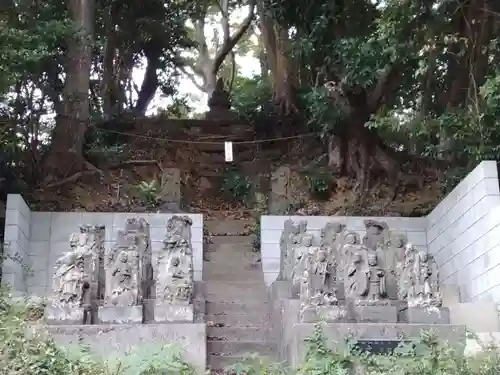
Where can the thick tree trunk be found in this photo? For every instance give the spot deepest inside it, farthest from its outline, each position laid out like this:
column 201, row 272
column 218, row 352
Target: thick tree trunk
column 66, row 152
column 283, row 77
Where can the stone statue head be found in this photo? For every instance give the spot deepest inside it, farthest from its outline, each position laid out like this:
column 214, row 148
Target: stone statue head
column 398, row 242
column 351, row 239
column 357, row 258
column 74, row 240
column 321, row 255
column 295, row 229
column 307, row 241
column 424, row 256
column 372, row 259
column 123, row 257
column 176, row 261
column 303, row 226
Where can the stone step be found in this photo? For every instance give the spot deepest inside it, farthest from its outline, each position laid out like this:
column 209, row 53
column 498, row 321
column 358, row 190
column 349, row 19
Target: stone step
column 216, row 241
column 232, row 258
column 235, row 288
column 217, row 362
column 247, row 319
column 250, row 333
column 228, row 308
column 228, row 249
column 212, row 272
column 239, row 348
column 229, row 227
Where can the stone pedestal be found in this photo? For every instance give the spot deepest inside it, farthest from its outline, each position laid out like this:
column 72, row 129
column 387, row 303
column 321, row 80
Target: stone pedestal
column 169, row 313
column 431, row 315
column 330, row 314
column 120, row 314
column 64, row 314
column 374, row 314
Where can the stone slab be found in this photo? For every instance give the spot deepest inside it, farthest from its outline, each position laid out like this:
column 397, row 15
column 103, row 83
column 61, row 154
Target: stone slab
column 120, row 340
column 428, row 315
column 374, row 314
column 61, row 314
column 167, row 313
column 293, row 345
column 120, row 314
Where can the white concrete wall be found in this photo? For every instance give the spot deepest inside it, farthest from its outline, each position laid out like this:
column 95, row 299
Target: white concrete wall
column 271, row 227
column 41, row 237
column 463, row 233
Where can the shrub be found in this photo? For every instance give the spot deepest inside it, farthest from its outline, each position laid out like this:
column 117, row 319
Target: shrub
column 25, row 350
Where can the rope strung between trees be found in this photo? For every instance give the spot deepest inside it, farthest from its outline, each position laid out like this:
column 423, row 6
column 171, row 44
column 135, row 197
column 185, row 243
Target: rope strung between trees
column 256, row 141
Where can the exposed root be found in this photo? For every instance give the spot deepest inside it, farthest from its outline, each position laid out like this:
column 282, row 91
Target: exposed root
column 137, row 162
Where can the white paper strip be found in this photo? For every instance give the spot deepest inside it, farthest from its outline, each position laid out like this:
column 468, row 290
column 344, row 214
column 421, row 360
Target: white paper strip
column 228, row 151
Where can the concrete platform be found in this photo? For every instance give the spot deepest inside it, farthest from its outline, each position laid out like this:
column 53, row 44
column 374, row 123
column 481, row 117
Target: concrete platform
column 115, row 340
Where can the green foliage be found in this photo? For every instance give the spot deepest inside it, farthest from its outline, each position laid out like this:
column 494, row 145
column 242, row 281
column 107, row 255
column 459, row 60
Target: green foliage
column 251, row 98
column 235, row 185
column 320, row 182
column 28, row 351
column 426, row 356
column 149, row 191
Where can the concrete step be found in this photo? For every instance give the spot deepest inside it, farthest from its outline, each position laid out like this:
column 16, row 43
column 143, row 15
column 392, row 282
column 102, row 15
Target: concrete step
column 248, row 319
column 232, row 240
column 229, row 227
column 239, row 348
column 235, row 290
column 217, row 362
column 251, row 333
column 229, row 274
column 230, row 251
column 228, row 308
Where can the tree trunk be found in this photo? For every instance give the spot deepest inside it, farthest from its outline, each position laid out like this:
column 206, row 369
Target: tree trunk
column 276, row 42
column 66, row 152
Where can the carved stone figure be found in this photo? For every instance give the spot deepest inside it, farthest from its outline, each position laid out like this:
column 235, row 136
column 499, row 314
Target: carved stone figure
column 377, row 288
column 376, row 234
column 426, row 279
column 123, row 268
column 285, row 245
column 357, row 274
column 69, row 278
column 294, row 241
column 302, row 254
column 219, row 104
column 77, row 269
column 351, row 245
column 174, row 269
column 322, row 273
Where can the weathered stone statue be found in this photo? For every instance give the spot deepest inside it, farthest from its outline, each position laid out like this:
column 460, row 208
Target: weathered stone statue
column 123, row 280
column 174, row 273
column 285, row 244
column 219, row 104
column 376, row 234
column 294, row 241
column 319, row 289
column 357, row 274
column 128, row 274
column 76, row 284
column 420, row 286
column 377, row 289
column 425, row 279
column 351, row 245
column 301, row 260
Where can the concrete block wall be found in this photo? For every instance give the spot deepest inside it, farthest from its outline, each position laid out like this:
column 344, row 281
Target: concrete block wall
column 47, row 237
column 16, row 244
column 463, row 234
column 271, row 227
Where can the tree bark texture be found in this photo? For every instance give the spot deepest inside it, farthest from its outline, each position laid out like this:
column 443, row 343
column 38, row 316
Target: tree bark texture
column 66, row 152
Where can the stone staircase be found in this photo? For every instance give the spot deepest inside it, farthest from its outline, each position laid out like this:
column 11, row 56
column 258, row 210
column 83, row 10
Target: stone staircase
column 237, row 310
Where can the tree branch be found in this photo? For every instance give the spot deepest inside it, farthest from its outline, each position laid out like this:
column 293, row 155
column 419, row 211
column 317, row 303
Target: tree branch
column 385, row 82
column 229, row 44
column 192, row 78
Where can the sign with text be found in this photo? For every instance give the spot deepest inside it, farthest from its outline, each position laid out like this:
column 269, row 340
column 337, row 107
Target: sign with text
column 228, row 151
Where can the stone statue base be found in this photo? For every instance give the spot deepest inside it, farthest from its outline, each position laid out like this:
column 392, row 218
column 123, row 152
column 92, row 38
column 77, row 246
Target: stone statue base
column 428, row 315
column 324, row 313
column 372, row 313
column 110, row 314
column 169, row 313
column 58, row 313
